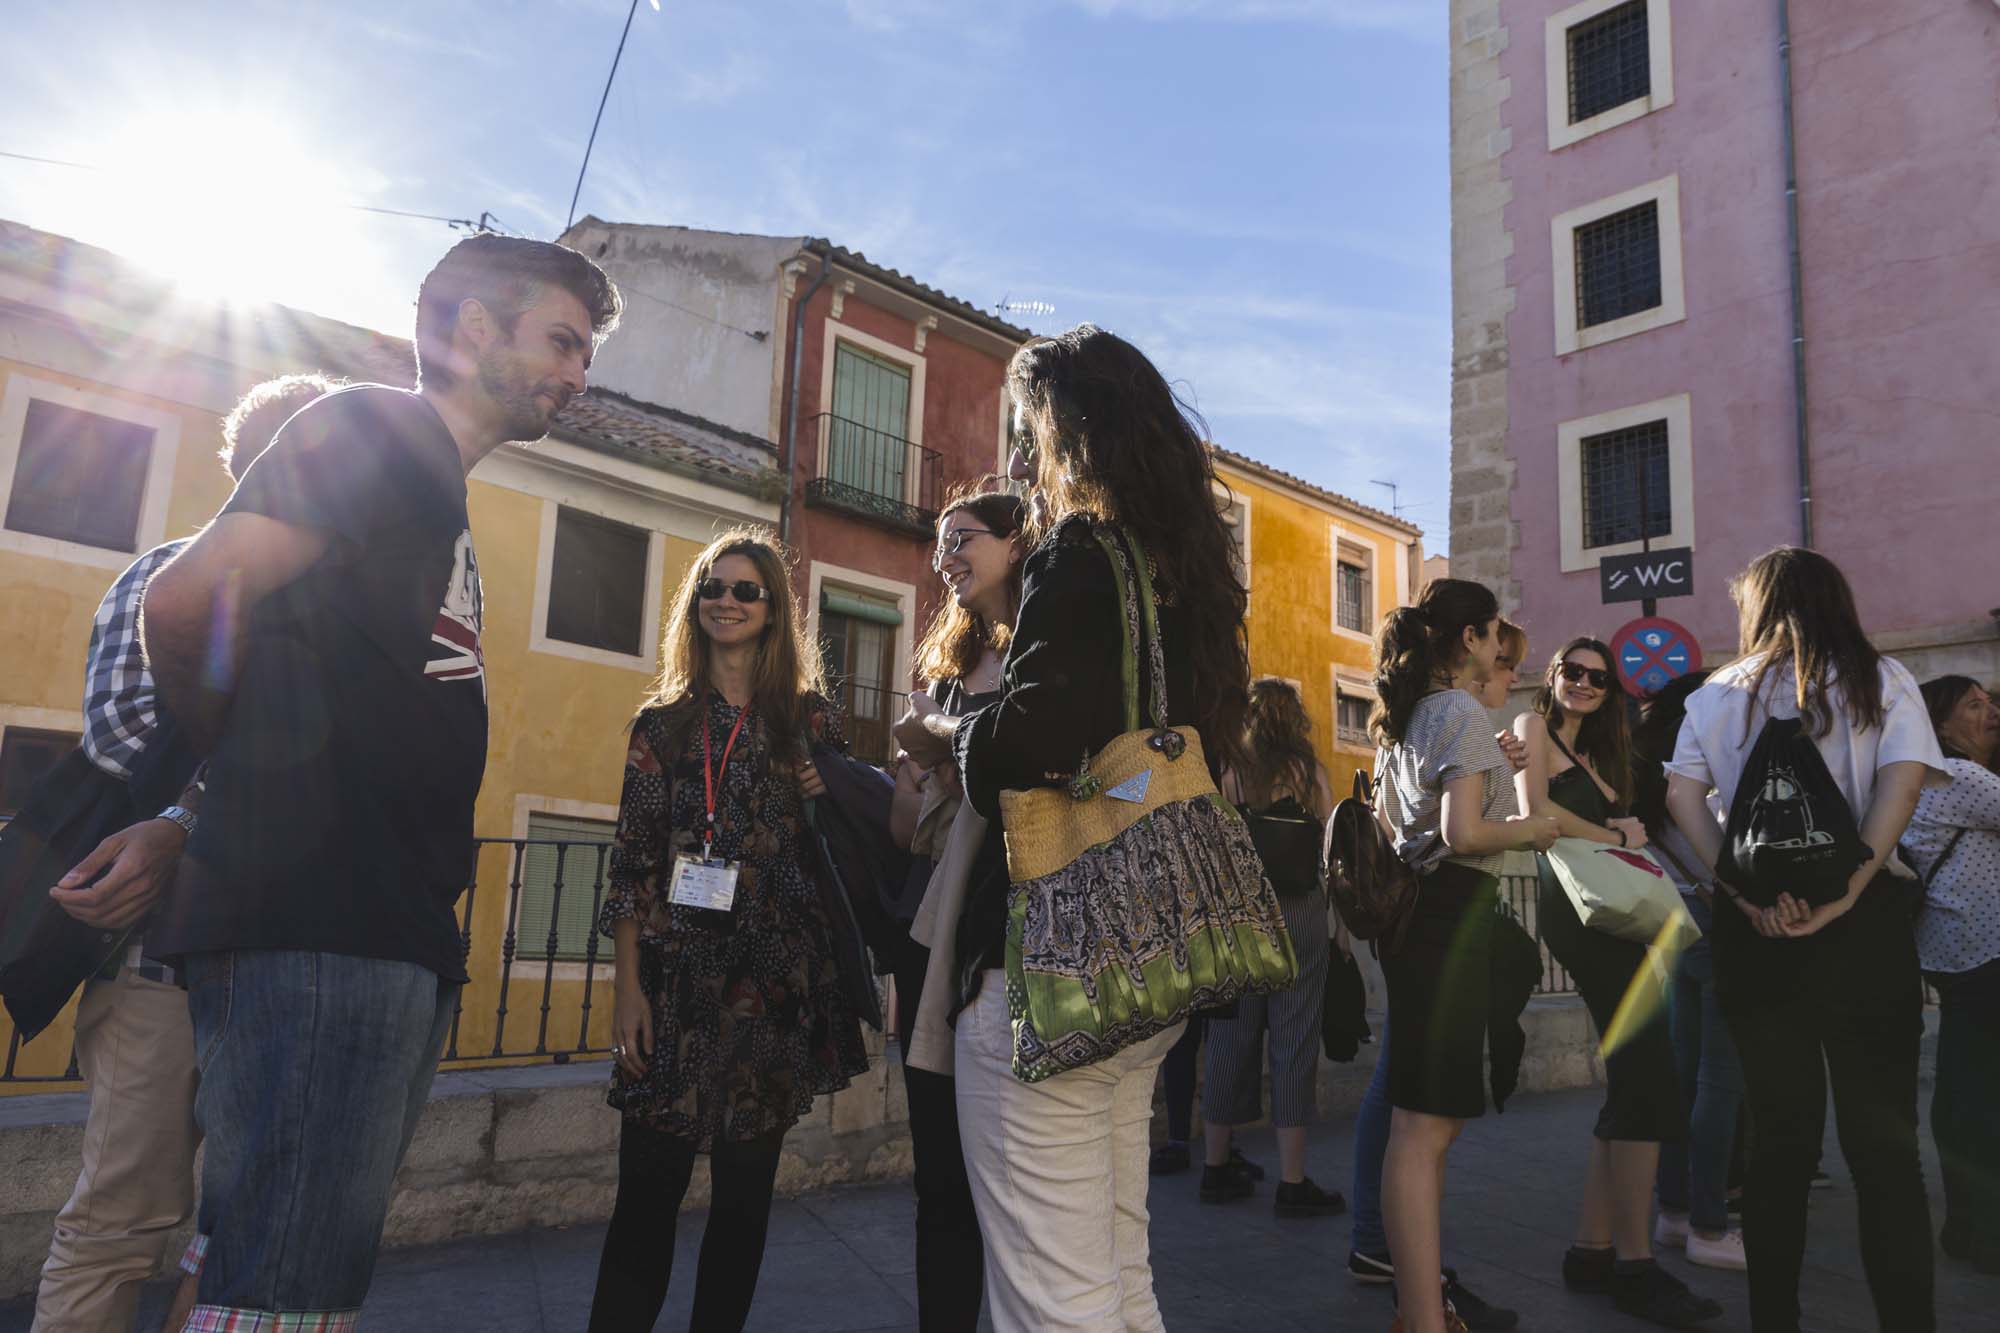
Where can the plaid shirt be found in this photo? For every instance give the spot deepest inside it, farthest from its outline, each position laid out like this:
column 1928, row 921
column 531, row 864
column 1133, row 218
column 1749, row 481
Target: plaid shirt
column 118, row 707
column 118, row 699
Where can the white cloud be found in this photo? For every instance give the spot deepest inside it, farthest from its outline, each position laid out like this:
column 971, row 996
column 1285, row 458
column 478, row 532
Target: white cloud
column 736, row 75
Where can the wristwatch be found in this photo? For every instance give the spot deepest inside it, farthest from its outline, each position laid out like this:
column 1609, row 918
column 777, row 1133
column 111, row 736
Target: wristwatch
column 181, row 815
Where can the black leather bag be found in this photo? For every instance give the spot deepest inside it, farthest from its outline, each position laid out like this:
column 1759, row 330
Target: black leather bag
column 1372, row 888
column 1287, row 838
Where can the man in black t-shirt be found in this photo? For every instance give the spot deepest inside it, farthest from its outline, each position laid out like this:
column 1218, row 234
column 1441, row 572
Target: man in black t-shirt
column 320, row 644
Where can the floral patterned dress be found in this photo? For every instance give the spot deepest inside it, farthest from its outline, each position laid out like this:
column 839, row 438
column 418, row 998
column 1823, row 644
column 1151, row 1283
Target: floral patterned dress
column 749, row 1019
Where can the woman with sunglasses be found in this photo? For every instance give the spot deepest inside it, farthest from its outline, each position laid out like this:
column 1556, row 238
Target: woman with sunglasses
column 729, row 1016
column 978, row 557
column 1579, row 770
column 1058, row 1167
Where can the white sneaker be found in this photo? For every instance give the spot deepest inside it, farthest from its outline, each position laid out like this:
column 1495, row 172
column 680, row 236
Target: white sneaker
column 1724, row 1253
column 1671, row 1230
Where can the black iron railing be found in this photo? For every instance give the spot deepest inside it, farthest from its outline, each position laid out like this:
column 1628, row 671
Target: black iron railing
column 1518, row 893
column 877, row 476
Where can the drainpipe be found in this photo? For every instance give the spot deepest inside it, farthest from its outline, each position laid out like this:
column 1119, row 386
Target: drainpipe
column 1797, row 275
column 792, row 395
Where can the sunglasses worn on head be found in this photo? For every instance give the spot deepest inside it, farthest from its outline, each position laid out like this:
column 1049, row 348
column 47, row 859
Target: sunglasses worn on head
column 743, row 590
column 1576, row 672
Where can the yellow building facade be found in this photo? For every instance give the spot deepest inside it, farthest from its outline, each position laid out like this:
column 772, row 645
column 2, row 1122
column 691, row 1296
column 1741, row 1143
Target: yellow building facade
column 92, row 343
column 1322, row 571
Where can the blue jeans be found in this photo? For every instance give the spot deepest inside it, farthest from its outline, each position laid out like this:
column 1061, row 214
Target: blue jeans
column 1371, row 1144
column 1694, row 1175
column 314, row 1070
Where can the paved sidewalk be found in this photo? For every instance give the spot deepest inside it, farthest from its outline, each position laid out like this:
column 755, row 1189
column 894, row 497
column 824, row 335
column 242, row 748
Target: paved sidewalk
column 842, row 1261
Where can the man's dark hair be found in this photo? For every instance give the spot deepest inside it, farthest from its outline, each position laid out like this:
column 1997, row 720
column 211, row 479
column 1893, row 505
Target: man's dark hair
column 506, row 274
column 247, row 430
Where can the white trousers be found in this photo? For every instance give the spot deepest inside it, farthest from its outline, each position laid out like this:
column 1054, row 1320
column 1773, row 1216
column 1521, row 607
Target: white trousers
column 1058, row 1171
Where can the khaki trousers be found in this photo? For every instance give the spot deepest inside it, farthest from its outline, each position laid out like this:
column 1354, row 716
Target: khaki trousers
column 1058, row 1174
column 135, row 1049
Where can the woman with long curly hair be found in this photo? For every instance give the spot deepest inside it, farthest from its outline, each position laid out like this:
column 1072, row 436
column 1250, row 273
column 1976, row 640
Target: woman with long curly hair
column 1058, row 1167
column 1580, row 770
column 729, row 1016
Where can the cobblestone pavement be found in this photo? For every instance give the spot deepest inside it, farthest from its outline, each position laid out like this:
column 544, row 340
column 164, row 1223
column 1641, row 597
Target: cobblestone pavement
column 842, row 1260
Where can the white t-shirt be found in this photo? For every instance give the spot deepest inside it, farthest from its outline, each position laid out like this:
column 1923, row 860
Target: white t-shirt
column 1717, row 737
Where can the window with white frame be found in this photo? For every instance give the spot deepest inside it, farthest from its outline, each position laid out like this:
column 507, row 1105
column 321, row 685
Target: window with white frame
column 1624, row 476
column 1609, row 62
column 1354, row 587
column 1352, row 702
column 1236, row 517
column 563, row 869
column 85, row 476
column 1617, row 266
column 597, row 583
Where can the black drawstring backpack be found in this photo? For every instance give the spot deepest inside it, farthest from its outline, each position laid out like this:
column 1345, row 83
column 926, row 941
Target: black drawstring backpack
column 1790, row 829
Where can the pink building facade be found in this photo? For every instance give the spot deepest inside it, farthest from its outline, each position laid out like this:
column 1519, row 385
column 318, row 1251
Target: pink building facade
column 1623, row 307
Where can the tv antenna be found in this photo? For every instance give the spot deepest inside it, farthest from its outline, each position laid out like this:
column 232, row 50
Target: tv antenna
column 1395, row 496
column 1007, row 305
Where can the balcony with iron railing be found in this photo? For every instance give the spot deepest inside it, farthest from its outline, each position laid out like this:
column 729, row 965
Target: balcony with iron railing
column 875, row 476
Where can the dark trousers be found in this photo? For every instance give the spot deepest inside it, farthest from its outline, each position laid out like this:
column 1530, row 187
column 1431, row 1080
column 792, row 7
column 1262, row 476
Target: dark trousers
column 1845, row 1003
column 1178, row 1069
column 1965, row 1108
column 951, row 1259
column 638, row 1259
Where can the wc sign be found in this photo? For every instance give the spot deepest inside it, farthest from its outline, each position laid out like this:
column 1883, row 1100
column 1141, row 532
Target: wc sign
column 1644, row 575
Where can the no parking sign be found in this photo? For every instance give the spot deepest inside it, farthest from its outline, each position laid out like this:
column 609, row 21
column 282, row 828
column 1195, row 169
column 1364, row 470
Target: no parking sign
column 1651, row 651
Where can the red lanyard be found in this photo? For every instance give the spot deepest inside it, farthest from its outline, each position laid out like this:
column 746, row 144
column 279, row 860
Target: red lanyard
column 710, row 776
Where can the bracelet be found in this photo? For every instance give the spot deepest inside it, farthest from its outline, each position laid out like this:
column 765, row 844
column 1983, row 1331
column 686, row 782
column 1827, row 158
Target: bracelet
column 1623, row 841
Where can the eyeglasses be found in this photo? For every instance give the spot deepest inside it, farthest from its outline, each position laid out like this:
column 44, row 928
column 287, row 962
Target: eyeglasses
column 743, row 590
column 1576, row 673
column 954, row 541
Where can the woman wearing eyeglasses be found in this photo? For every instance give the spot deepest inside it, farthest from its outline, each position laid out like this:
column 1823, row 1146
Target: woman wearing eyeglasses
column 978, row 557
column 1579, row 770
column 729, row 1016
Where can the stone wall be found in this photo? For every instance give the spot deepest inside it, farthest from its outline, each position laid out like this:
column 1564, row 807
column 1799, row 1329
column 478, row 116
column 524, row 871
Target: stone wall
column 1483, row 532
column 505, row 1149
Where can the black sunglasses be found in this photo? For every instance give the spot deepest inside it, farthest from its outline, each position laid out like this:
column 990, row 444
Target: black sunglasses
column 1575, row 672
column 743, row 590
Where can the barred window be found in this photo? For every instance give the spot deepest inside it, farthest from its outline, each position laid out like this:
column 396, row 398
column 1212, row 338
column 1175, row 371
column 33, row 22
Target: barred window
column 1624, row 476
column 1610, row 61
column 1354, row 598
column 1351, row 719
column 574, row 851
column 1618, row 265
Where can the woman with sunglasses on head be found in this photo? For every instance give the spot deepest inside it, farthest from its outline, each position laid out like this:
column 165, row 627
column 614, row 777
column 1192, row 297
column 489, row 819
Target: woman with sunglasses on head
column 1826, row 995
column 979, row 552
column 729, row 1014
column 1058, row 1167
column 1579, row 770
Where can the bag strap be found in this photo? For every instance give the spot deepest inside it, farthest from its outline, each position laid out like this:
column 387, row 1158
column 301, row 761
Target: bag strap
column 1931, row 875
column 1129, row 597
column 1156, row 656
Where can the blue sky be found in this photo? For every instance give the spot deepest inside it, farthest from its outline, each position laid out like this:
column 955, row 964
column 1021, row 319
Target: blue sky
column 1254, row 191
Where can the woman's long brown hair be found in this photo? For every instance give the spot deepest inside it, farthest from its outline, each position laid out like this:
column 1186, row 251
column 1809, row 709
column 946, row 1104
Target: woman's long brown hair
column 786, row 673
column 951, row 646
column 1112, row 441
column 1796, row 609
column 1417, row 648
column 1603, row 737
column 1277, row 744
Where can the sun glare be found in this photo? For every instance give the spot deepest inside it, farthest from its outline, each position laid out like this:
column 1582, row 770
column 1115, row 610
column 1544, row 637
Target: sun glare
column 230, row 205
